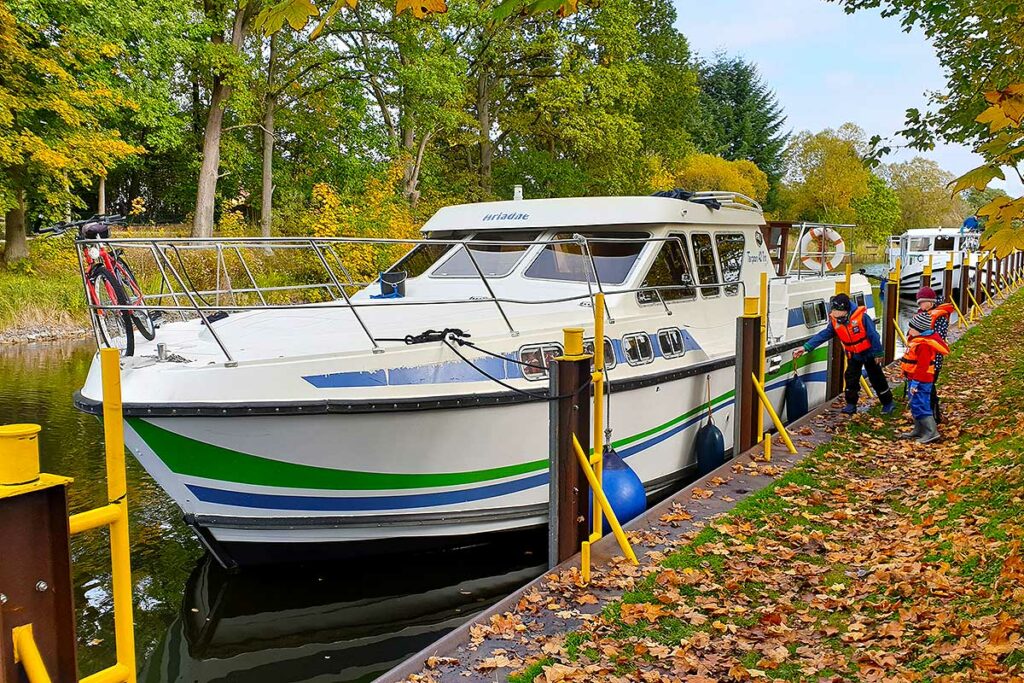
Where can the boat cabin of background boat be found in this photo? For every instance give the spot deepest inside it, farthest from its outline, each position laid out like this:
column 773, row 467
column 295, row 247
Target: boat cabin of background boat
column 919, row 247
column 281, row 427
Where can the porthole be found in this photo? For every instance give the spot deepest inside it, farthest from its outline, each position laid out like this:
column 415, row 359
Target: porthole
column 670, row 342
column 609, row 352
column 537, row 358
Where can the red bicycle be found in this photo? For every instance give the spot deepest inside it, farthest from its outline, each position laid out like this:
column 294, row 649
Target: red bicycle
column 109, row 281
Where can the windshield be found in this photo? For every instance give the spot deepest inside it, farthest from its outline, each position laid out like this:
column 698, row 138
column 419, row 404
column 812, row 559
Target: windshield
column 920, row 243
column 614, row 260
column 494, row 260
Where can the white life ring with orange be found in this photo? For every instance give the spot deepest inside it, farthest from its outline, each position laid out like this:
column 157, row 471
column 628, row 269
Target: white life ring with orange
column 822, row 244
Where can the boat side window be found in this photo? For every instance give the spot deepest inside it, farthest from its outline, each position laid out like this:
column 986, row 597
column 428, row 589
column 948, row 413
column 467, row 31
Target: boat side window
column 920, row 244
column 495, row 260
column 538, row 358
column 814, row 312
column 671, row 269
column 637, row 347
column 614, row 260
column 859, row 298
column 707, row 267
column 609, row 352
column 670, row 341
column 419, row 259
column 944, row 243
column 731, row 248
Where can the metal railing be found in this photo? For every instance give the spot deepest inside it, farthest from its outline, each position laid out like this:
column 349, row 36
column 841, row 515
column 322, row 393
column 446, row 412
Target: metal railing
column 179, row 295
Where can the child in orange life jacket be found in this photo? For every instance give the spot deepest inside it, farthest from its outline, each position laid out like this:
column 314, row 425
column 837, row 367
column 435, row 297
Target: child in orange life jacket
column 855, row 329
column 927, row 302
column 918, row 365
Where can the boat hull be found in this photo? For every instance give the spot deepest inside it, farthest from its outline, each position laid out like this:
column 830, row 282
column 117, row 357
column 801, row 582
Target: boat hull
column 402, row 480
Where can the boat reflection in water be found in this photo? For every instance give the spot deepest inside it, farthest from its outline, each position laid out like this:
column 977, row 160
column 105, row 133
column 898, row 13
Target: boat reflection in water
column 333, row 622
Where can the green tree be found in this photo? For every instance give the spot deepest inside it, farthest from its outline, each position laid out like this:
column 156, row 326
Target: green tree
column 878, row 212
column 827, row 175
column 54, row 97
column 743, row 117
column 923, row 190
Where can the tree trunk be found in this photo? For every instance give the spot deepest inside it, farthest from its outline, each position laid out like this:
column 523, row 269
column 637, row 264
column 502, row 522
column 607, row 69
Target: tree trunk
column 410, row 176
column 483, row 113
column 206, row 192
column 267, row 193
column 101, row 202
column 16, row 245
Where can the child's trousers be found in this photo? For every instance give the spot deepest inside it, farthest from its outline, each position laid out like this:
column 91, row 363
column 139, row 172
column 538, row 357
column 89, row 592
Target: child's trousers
column 920, row 399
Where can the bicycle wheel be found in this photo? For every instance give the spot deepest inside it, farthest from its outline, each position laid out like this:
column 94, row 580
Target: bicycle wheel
column 142, row 318
column 115, row 326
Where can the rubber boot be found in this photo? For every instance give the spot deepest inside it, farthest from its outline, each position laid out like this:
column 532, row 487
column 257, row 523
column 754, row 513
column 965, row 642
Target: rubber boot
column 849, row 409
column 913, row 434
column 929, row 431
column 889, row 408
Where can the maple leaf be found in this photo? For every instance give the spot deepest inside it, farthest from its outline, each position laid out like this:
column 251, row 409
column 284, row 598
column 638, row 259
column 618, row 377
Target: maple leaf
column 421, row 8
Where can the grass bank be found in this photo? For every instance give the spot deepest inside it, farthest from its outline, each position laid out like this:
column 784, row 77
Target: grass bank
column 874, row 559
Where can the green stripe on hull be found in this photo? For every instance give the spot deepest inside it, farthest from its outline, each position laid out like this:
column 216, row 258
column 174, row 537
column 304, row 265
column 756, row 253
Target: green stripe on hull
column 189, row 457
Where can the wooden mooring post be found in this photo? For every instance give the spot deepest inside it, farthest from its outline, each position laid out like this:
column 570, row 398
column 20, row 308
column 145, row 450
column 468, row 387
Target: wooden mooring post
column 892, row 308
column 568, row 492
column 749, row 352
column 990, row 278
column 977, row 278
column 947, row 279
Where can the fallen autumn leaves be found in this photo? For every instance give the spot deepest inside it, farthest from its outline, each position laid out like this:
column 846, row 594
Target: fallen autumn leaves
column 873, row 560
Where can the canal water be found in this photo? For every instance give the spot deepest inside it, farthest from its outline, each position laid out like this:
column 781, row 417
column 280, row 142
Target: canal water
column 339, row 622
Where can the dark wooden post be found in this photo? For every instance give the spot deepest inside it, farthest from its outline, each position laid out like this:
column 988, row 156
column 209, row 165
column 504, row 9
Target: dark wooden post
column 568, row 490
column 892, row 308
column 947, row 280
column 965, row 282
column 35, row 575
column 748, row 360
column 990, row 281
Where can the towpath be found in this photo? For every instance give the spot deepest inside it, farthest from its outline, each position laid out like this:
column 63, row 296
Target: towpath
column 867, row 558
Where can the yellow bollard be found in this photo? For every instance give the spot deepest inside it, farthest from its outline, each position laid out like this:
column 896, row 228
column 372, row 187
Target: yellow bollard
column 602, row 502
column 19, row 454
column 763, row 312
column 767, row 447
column 598, row 377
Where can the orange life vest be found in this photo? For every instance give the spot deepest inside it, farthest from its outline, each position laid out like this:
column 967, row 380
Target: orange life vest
column 942, row 311
column 853, row 334
column 918, row 363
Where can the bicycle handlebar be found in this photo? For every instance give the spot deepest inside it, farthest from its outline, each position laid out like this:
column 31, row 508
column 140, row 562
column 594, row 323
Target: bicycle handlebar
column 61, row 228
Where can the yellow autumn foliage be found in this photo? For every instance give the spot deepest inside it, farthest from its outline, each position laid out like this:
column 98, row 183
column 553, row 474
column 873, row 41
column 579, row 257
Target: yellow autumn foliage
column 704, row 172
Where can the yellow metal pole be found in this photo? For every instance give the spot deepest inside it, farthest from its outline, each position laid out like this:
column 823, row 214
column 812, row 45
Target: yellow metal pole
column 767, row 448
column 603, row 503
column 117, row 494
column 763, row 312
column 27, row 653
column 959, row 314
column 95, row 518
column 112, row 674
column 849, row 277
column 903, row 337
column 899, row 275
column 781, row 428
column 598, row 377
column 977, row 306
column 866, row 387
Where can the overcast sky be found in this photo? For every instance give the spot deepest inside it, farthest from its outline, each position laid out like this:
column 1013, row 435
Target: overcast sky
column 826, row 66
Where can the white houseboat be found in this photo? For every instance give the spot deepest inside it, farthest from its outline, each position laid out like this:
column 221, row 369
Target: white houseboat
column 278, row 428
column 918, row 247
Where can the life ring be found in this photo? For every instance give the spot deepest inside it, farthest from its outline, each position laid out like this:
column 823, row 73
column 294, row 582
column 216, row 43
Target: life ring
column 813, row 246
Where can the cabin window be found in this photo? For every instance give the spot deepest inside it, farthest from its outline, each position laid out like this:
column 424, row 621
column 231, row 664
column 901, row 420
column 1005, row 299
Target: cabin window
column 614, row 254
column 609, row 352
column 494, row 260
column 920, row 244
column 859, row 298
column 731, row 248
column 637, row 348
column 707, row 266
column 419, row 259
column 945, row 243
column 671, row 270
column 670, row 341
column 538, row 358
column 814, row 312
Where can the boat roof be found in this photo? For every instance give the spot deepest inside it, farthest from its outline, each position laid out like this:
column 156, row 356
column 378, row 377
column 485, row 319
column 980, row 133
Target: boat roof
column 607, row 212
column 930, row 232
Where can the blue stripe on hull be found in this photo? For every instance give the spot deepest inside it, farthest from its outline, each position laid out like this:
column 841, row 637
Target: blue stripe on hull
column 267, row 501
